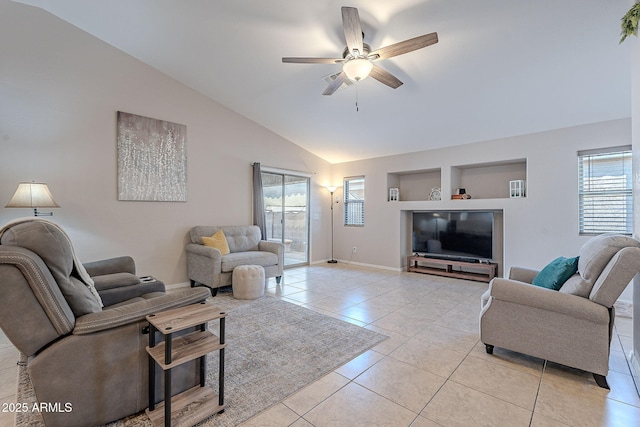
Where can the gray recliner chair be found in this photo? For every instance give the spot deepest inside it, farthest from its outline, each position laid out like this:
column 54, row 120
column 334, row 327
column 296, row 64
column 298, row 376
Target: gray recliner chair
column 79, row 352
column 572, row 326
column 116, row 281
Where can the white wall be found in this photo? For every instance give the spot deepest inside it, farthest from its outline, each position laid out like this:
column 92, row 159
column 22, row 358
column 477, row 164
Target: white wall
column 537, row 228
column 635, row 118
column 60, row 89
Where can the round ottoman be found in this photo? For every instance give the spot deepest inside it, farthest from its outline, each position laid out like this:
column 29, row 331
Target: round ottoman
column 247, row 282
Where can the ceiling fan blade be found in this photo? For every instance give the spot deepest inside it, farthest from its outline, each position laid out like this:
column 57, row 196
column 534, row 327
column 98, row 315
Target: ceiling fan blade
column 334, row 85
column 405, row 46
column 383, row 76
column 313, row 60
column 352, row 29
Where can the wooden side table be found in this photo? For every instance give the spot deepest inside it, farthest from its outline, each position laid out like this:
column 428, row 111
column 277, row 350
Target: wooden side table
column 202, row 401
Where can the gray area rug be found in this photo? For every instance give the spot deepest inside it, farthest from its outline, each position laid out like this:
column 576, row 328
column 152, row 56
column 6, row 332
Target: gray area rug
column 274, row 349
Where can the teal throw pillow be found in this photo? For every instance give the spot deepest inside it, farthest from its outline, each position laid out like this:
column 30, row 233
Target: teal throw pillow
column 556, row 273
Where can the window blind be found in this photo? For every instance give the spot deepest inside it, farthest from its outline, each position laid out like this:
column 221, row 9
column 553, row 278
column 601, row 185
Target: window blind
column 354, row 201
column 605, row 191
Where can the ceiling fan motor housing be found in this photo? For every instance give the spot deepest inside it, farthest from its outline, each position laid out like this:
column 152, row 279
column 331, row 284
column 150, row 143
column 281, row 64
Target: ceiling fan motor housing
column 346, row 54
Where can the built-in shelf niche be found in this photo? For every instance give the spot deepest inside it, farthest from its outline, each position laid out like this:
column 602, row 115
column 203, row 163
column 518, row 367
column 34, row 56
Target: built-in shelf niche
column 487, row 180
column 415, row 185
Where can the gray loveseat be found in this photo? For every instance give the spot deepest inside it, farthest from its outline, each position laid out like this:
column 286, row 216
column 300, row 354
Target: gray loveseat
column 78, row 353
column 572, row 326
column 208, row 267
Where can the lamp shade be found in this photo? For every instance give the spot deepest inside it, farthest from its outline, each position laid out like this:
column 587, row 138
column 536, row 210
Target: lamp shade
column 332, row 189
column 32, row 195
column 357, row 69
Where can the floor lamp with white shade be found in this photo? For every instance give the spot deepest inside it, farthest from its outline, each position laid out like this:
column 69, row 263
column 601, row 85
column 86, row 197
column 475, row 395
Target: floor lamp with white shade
column 332, row 190
column 33, row 195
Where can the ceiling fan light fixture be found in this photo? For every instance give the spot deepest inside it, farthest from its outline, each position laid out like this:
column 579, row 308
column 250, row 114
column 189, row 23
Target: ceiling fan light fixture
column 357, row 69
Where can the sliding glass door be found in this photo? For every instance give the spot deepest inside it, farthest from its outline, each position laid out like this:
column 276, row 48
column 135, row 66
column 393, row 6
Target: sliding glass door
column 286, row 198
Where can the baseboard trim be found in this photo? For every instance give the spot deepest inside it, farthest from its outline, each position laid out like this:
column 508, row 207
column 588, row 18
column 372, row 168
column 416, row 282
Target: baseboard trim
column 361, row 264
column 624, row 308
column 175, row 286
column 380, row 267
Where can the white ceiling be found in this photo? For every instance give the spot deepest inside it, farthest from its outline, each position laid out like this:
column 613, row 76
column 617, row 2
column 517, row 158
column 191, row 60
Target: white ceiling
column 501, row 67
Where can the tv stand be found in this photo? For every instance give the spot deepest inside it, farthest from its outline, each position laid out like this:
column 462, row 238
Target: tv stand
column 453, row 258
column 444, row 267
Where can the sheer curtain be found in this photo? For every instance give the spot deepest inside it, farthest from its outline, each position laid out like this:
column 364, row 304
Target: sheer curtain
column 258, row 201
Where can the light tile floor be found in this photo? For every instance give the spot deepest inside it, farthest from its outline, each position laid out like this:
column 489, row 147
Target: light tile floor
column 432, row 371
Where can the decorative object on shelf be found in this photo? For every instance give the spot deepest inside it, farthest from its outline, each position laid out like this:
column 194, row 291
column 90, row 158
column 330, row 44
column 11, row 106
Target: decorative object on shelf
column 517, row 188
column 460, row 194
column 152, row 159
column 463, row 196
column 629, row 22
column 332, row 190
column 33, row 195
column 394, row 194
column 435, row 194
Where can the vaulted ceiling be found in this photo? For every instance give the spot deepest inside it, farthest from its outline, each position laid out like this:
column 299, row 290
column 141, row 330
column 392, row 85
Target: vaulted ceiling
column 501, row 67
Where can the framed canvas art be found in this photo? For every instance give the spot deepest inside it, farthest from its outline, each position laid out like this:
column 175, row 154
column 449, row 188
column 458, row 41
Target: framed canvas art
column 152, row 159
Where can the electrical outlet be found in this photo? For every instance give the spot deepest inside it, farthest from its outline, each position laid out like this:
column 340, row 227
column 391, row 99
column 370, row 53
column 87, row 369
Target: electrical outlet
column 355, row 249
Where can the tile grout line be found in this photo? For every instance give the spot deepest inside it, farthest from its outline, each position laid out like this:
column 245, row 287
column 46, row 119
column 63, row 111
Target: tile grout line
column 535, row 403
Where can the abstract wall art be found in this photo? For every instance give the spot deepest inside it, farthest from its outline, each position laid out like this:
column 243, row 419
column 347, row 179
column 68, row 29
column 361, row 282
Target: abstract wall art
column 152, row 159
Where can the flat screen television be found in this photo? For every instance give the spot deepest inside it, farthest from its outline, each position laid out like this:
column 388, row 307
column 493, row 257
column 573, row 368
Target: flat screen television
column 464, row 235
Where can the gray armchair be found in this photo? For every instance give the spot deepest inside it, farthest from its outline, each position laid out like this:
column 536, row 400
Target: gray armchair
column 207, row 266
column 572, row 326
column 78, row 352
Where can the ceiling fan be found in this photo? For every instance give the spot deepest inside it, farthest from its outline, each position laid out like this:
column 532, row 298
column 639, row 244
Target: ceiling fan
column 358, row 58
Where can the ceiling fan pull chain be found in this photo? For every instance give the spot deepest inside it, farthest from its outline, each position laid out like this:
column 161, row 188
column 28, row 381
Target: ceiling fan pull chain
column 356, row 85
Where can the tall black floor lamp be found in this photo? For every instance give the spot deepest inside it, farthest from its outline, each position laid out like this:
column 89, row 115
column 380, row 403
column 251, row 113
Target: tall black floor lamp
column 332, row 190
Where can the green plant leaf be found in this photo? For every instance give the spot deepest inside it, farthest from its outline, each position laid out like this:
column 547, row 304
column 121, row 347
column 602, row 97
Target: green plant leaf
column 629, row 22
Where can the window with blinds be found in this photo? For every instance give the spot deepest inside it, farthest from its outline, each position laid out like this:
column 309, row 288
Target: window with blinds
column 354, row 201
column 605, row 191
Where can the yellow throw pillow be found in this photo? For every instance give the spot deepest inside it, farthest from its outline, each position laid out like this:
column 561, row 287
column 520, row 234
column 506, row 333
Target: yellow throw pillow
column 218, row 241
